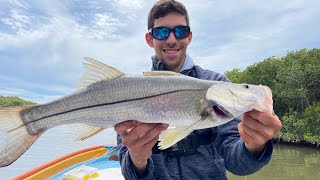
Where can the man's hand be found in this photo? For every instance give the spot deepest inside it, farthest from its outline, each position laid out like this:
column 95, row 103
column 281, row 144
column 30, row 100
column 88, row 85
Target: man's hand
column 257, row 128
column 139, row 138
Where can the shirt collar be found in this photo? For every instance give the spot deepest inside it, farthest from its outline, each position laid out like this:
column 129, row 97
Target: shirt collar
column 158, row 65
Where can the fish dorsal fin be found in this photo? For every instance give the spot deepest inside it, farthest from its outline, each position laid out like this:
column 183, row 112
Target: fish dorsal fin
column 85, row 131
column 97, row 71
column 160, row 73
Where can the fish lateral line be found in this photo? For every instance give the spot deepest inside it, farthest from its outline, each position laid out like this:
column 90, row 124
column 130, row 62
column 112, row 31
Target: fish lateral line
column 112, row 103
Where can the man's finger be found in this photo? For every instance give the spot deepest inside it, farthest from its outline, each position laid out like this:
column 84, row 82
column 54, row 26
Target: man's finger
column 153, row 133
column 266, row 131
column 151, row 143
column 266, row 118
column 122, row 128
column 133, row 138
column 244, row 136
column 251, row 122
column 256, row 136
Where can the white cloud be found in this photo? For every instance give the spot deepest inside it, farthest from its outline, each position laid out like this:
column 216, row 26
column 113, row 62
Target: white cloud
column 48, row 45
column 128, row 4
column 105, row 26
column 231, row 35
column 17, row 20
column 52, row 51
column 20, row 4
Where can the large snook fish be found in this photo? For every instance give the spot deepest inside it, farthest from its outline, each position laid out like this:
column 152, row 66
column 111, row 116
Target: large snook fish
column 106, row 97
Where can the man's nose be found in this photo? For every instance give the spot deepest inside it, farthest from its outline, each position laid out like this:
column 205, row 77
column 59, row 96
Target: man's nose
column 171, row 39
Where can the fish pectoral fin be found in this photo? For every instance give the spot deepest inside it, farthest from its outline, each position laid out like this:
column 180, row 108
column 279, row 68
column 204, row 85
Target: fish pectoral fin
column 170, row 137
column 85, row 131
column 161, row 73
column 97, row 71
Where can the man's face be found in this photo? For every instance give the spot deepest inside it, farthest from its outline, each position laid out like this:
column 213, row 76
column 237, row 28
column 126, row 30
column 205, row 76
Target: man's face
column 171, row 51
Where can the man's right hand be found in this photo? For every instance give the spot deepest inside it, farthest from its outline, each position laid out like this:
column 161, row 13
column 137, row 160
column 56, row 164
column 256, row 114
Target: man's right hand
column 139, row 138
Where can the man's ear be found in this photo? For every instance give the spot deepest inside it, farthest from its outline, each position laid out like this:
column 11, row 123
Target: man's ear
column 149, row 39
column 190, row 37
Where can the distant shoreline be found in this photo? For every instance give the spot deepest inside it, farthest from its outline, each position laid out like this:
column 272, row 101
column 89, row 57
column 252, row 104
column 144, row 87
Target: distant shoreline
column 297, row 143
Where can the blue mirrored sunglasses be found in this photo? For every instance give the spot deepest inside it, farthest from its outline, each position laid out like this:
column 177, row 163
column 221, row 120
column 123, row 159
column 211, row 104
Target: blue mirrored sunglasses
column 162, row 33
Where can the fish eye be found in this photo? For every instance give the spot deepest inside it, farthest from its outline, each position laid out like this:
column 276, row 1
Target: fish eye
column 246, row 86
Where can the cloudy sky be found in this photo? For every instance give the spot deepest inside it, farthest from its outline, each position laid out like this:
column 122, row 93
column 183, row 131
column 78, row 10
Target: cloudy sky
column 42, row 43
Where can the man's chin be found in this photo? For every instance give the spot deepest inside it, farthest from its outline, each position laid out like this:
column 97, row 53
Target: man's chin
column 171, row 65
column 170, row 62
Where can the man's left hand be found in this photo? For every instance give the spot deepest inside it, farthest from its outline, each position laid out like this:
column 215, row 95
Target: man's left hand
column 257, row 128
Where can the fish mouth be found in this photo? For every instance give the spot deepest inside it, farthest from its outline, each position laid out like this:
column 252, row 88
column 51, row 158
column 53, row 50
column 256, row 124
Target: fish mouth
column 220, row 110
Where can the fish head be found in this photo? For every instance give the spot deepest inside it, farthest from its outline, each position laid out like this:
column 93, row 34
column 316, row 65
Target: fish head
column 229, row 100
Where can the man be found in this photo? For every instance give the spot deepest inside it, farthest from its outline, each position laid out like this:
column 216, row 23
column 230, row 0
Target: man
column 240, row 146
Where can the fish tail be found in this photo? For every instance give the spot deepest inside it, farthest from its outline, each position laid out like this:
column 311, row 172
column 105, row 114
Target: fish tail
column 14, row 137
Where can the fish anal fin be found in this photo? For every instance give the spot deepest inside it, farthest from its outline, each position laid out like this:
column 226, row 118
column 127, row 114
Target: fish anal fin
column 96, row 71
column 85, row 131
column 161, row 73
column 170, row 137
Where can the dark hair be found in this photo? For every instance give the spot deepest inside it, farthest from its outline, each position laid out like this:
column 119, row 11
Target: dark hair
column 163, row 8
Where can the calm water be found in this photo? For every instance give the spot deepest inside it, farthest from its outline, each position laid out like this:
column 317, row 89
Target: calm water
column 288, row 162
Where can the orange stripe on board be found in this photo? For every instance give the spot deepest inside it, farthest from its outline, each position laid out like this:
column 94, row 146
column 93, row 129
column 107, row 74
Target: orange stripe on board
column 53, row 162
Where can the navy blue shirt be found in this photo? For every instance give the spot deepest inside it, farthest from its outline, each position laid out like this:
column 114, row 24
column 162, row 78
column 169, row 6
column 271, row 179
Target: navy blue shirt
column 209, row 161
